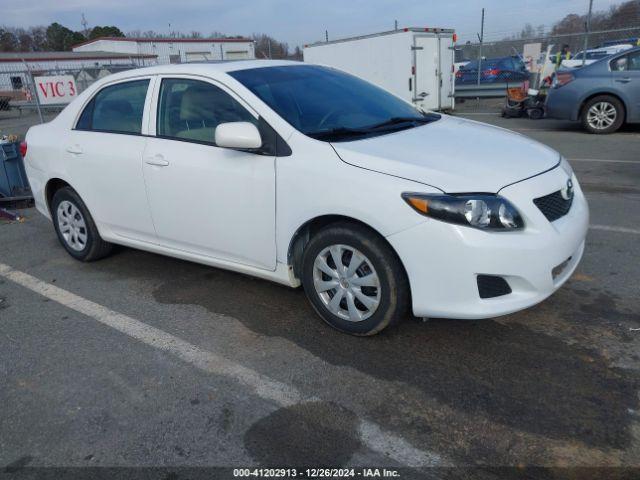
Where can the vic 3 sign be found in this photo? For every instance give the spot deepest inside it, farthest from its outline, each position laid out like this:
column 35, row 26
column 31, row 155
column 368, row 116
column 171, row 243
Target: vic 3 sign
column 56, row 89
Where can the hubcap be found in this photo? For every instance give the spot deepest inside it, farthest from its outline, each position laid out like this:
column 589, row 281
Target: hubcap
column 346, row 282
column 72, row 225
column 601, row 115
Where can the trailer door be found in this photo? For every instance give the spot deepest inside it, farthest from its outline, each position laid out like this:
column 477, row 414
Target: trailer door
column 427, row 89
column 446, row 72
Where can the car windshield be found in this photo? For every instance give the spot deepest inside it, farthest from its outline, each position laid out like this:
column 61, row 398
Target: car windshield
column 328, row 104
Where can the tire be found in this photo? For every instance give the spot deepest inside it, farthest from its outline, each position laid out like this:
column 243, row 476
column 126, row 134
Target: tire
column 535, row 113
column 75, row 227
column 384, row 304
column 602, row 114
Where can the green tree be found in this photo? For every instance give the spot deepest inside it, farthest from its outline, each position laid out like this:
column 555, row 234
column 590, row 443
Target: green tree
column 56, row 35
column 105, row 31
column 60, row 38
column 8, row 41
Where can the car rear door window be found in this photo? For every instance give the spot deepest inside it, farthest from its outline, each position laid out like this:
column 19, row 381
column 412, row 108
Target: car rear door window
column 117, row 109
column 192, row 109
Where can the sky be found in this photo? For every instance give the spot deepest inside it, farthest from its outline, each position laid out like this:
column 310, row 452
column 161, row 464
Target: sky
column 297, row 22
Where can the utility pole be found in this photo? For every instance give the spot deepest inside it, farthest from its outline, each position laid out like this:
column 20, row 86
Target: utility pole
column 85, row 24
column 481, row 38
column 586, row 33
column 326, row 35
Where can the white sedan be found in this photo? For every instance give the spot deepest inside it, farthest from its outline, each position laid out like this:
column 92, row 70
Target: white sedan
column 303, row 174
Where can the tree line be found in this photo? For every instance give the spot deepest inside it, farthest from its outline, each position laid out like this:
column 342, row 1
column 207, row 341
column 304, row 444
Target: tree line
column 617, row 17
column 57, row 37
column 624, row 18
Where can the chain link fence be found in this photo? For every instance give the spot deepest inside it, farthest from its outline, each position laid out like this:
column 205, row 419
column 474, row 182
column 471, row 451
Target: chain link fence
column 18, row 88
column 493, row 79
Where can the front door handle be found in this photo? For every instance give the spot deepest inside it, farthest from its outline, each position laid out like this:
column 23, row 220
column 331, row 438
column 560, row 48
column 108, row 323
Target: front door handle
column 74, row 149
column 157, row 160
column 623, row 80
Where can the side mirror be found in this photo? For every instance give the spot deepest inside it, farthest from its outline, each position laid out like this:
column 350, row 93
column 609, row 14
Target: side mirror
column 240, row 135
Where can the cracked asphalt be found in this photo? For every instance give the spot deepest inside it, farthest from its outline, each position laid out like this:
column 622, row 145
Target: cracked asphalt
column 557, row 385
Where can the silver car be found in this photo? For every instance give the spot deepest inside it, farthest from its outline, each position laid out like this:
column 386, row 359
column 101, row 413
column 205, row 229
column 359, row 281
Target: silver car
column 603, row 95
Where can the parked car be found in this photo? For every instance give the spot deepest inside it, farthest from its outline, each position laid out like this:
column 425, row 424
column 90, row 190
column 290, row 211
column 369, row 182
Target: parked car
column 303, row 174
column 594, row 55
column 493, row 70
column 603, row 95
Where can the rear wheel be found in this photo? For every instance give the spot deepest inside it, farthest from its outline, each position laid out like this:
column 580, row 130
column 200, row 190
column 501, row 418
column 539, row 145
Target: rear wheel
column 354, row 280
column 75, row 227
column 602, row 114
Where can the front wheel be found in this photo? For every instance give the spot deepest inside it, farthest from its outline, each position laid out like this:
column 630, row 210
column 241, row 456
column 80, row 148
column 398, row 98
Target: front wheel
column 602, row 114
column 354, row 280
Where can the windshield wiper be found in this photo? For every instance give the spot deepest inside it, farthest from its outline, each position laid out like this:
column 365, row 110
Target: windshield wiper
column 390, row 124
column 339, row 132
column 427, row 118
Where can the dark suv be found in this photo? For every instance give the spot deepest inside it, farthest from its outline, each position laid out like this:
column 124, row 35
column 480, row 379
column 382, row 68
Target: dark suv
column 603, row 95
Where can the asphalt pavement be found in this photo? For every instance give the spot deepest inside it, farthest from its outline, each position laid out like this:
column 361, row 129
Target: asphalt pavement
column 142, row 360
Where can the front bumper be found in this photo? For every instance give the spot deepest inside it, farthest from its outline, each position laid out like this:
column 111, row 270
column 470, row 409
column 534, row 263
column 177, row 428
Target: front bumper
column 563, row 103
column 443, row 260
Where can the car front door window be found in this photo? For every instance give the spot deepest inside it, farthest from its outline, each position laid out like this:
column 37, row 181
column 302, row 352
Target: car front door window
column 191, row 110
column 634, row 62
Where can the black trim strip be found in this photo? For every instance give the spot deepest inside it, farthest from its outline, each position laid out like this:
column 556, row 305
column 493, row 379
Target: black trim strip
column 533, row 176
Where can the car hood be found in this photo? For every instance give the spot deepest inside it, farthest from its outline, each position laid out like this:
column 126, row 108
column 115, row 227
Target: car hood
column 453, row 155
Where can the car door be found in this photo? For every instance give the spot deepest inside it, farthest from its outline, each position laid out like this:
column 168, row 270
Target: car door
column 207, row 200
column 625, row 73
column 103, row 158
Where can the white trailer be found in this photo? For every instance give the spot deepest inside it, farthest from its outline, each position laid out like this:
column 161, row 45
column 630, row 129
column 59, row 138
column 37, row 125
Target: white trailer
column 413, row 63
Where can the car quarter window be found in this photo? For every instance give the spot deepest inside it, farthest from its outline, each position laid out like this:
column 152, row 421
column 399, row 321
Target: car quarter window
column 191, row 110
column 117, row 108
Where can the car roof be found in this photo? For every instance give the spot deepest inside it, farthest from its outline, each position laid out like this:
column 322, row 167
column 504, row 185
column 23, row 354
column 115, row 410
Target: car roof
column 623, row 46
column 211, row 69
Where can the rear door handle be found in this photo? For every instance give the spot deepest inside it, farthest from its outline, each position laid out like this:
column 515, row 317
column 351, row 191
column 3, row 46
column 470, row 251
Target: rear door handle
column 74, row 149
column 157, row 160
column 623, row 80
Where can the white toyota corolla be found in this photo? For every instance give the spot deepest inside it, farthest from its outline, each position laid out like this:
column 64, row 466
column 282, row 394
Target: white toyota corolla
column 303, row 174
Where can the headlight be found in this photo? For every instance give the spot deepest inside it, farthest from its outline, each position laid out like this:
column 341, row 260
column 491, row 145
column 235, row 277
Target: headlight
column 482, row 211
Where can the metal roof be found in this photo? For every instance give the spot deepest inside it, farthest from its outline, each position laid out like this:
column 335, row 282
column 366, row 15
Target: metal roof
column 206, row 69
column 66, row 56
column 166, row 40
column 389, row 32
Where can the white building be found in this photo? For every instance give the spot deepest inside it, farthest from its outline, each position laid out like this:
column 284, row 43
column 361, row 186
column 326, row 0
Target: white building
column 174, row 50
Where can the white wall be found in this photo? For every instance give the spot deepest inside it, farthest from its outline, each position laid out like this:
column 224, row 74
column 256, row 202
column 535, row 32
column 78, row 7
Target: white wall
column 385, row 60
column 164, row 50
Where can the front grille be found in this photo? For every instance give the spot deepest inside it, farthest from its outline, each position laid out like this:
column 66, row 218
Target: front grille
column 490, row 286
column 554, row 205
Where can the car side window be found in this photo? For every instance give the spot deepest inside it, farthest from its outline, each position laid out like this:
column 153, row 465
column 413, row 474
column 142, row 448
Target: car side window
column 192, row 109
column 117, row 109
column 620, row 64
column 634, row 61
